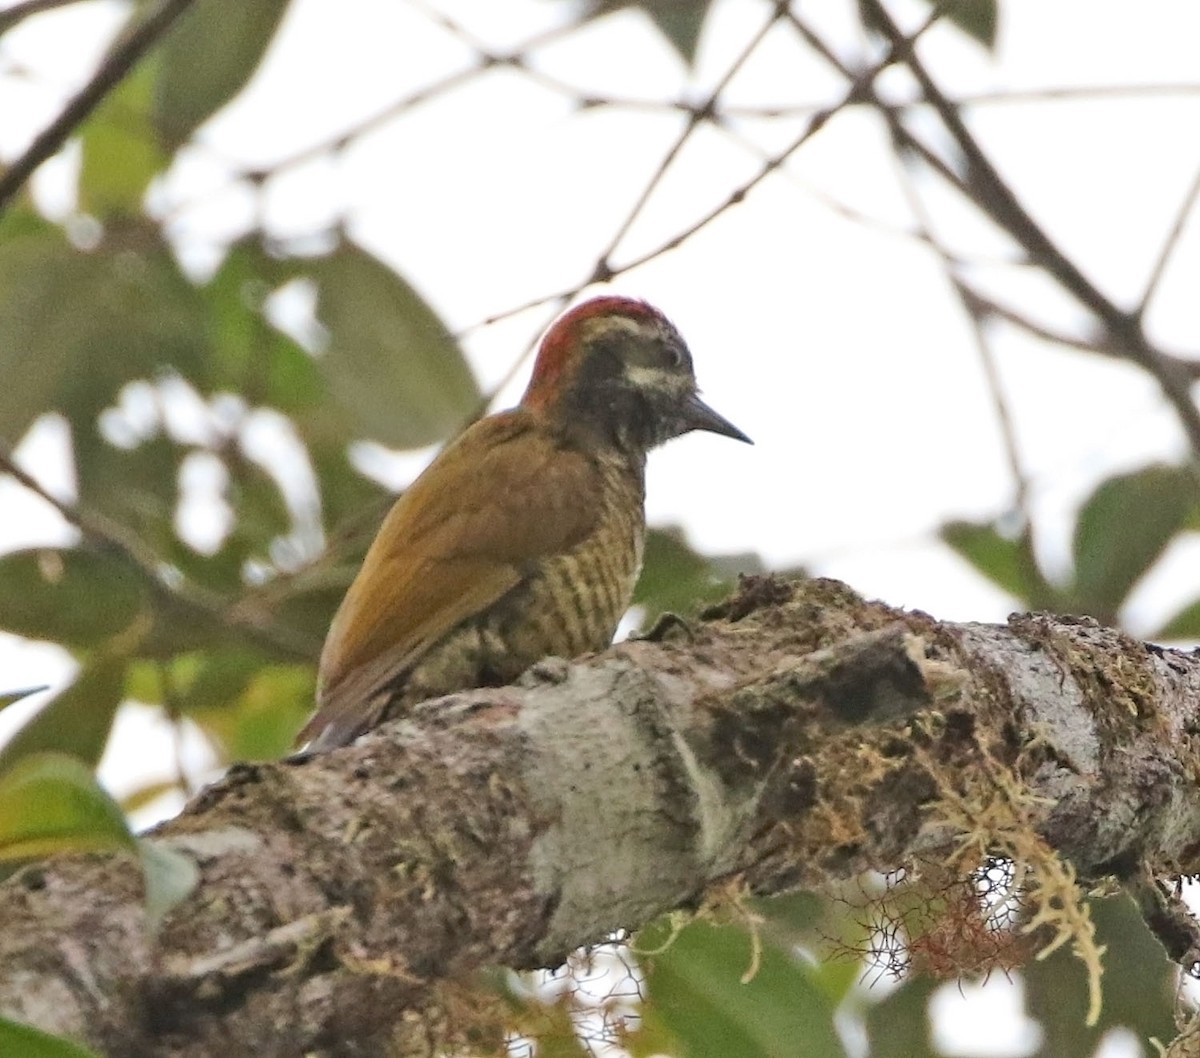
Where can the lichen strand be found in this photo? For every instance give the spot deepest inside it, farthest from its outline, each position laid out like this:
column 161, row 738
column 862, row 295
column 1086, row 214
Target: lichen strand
column 991, row 814
column 981, row 808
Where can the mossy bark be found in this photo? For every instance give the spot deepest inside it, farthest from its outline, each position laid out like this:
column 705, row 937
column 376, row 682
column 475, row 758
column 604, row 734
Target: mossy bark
column 795, row 735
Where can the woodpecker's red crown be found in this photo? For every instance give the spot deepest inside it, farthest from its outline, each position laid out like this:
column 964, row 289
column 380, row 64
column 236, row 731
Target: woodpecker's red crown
column 568, row 338
column 617, row 369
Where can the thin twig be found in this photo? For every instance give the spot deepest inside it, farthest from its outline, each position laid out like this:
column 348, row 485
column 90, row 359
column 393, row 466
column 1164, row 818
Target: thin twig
column 861, row 84
column 602, row 271
column 100, row 529
column 121, row 59
column 1004, row 97
column 1100, row 346
column 1168, row 246
column 983, row 347
column 701, row 114
column 987, row 306
column 585, row 98
column 994, row 197
column 924, row 232
column 485, row 59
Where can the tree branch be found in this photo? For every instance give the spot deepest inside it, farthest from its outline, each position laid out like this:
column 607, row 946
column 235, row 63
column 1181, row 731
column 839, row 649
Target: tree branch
column 254, row 622
column 795, row 736
column 123, row 57
column 993, row 196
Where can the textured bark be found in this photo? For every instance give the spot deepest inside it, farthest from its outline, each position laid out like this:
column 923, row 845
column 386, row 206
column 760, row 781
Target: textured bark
column 795, row 735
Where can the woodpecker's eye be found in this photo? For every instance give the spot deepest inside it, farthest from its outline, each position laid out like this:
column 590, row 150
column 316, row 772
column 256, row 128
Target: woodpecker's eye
column 674, row 357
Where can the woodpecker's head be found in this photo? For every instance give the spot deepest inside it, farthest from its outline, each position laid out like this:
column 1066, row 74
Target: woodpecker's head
column 617, row 367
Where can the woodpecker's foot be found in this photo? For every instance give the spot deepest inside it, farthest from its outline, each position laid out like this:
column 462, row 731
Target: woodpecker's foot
column 548, row 670
column 669, row 627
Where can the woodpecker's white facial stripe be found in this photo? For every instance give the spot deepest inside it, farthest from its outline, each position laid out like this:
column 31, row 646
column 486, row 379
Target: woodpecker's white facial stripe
column 655, row 378
column 643, row 329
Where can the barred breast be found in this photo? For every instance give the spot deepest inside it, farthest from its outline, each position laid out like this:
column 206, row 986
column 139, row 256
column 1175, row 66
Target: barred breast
column 568, row 604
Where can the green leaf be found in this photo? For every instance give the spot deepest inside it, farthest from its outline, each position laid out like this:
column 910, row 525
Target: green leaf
column 261, row 723
column 77, row 720
column 978, row 19
column 17, row 221
column 898, row 1026
column 24, row 1041
column 77, row 597
column 1122, row 529
column 680, row 21
column 696, row 997
column 208, row 58
column 313, row 597
column 121, row 151
column 219, row 679
column 1139, row 985
column 50, row 803
column 258, row 503
column 249, row 355
column 136, row 487
column 170, row 879
column 677, row 578
column 1008, row 563
column 352, row 504
column 75, row 326
column 12, row 697
column 391, row 363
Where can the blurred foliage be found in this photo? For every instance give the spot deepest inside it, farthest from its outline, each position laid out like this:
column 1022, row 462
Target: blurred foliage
column 1121, row 531
column 677, row 578
column 207, row 59
column 50, row 802
column 978, row 19
column 28, row 1042
column 679, row 21
column 711, row 994
column 102, row 328
column 1139, row 990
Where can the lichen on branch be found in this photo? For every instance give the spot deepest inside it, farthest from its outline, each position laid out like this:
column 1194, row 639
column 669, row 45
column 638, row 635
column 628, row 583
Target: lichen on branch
column 795, row 736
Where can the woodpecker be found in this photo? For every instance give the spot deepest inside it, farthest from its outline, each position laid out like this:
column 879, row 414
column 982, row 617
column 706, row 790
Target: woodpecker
column 523, row 538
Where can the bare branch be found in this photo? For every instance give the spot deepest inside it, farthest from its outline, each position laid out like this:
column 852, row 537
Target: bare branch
column 214, row 610
column 1169, row 244
column 860, row 86
column 991, row 194
column 976, row 321
column 485, row 60
column 603, row 268
column 125, row 54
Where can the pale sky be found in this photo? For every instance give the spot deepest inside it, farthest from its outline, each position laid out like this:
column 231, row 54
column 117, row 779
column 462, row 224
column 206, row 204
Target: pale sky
column 835, row 344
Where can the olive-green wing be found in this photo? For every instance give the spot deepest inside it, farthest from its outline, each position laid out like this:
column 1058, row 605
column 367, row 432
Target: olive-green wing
column 503, row 496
